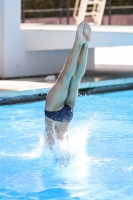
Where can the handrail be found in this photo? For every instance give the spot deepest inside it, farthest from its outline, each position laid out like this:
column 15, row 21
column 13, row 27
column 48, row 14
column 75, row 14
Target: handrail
column 71, row 9
column 97, row 6
column 118, row 7
column 76, row 9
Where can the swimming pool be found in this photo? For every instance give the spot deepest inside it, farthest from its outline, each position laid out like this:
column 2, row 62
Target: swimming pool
column 100, row 164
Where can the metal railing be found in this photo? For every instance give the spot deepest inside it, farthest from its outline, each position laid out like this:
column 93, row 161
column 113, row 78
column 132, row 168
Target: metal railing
column 64, row 8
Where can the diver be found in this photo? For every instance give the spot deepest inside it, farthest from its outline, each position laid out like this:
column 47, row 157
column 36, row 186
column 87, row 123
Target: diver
column 62, row 97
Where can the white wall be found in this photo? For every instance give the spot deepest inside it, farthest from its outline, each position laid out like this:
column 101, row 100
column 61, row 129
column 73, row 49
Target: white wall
column 1, row 38
column 13, row 38
column 16, row 61
column 114, row 55
column 114, row 58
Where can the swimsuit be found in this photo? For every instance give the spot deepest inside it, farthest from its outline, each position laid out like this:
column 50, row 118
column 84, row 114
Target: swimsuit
column 63, row 115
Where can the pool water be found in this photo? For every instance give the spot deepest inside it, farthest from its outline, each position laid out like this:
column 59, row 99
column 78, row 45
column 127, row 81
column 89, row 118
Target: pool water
column 97, row 164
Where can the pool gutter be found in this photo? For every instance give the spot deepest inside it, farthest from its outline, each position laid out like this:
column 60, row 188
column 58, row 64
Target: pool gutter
column 87, row 87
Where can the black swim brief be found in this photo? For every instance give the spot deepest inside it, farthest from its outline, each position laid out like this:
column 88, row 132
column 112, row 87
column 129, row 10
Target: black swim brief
column 63, row 115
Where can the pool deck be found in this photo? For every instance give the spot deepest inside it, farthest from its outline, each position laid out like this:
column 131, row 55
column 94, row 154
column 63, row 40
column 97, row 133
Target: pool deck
column 19, row 90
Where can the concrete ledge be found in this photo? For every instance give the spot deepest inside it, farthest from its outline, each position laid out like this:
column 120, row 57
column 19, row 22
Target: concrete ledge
column 83, row 85
column 55, row 37
column 42, row 96
column 11, row 97
column 107, row 83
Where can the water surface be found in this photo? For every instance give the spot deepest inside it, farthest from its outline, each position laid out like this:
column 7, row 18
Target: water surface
column 97, row 164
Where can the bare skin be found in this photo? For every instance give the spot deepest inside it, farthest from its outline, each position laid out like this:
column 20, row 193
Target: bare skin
column 65, row 90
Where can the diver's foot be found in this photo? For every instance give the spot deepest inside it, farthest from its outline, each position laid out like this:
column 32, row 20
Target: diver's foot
column 80, row 37
column 87, row 31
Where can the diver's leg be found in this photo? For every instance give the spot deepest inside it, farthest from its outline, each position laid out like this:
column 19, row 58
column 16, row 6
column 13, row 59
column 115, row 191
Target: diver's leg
column 82, row 62
column 57, row 95
column 75, row 80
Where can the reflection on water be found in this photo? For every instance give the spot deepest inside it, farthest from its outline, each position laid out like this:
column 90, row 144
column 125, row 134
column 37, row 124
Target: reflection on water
column 95, row 164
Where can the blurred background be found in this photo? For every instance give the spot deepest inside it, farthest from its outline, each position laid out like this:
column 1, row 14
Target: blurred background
column 116, row 12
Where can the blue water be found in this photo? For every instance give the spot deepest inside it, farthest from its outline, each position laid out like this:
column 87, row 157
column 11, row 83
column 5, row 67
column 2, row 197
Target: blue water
column 100, row 162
